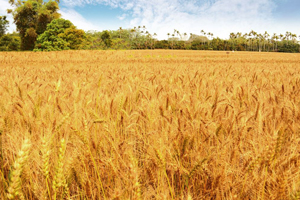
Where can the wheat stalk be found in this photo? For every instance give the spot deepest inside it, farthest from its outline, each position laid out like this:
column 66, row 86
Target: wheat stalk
column 14, row 189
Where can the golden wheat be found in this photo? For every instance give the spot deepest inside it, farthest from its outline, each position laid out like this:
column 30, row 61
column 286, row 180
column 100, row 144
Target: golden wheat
column 149, row 125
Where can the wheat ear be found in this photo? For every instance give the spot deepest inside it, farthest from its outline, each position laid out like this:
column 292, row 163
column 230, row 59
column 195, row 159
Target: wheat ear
column 14, row 189
column 59, row 179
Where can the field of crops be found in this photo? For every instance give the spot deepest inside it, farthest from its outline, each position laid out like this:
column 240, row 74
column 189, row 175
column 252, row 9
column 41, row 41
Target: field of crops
column 149, row 125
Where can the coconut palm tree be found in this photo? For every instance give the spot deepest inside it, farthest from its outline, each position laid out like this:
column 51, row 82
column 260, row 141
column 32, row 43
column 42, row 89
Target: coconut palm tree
column 203, row 33
column 273, row 40
column 260, row 38
column 178, row 34
column 294, row 36
column 132, row 31
column 153, row 40
column 232, row 36
column 266, row 38
column 173, row 35
column 245, row 37
column 276, row 39
column 209, row 36
column 185, row 35
column 120, row 31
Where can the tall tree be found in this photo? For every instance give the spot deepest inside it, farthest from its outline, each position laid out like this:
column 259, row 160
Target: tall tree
column 32, row 17
column 3, row 25
column 245, row 37
column 120, row 31
column 106, row 37
column 266, row 37
column 60, row 34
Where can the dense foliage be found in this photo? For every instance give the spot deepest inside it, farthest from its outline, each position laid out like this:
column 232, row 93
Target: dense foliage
column 3, row 25
column 106, row 38
column 60, row 34
column 139, row 39
column 31, row 18
column 10, row 42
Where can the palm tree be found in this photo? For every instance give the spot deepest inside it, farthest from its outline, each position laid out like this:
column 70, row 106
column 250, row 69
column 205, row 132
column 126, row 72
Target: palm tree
column 288, row 35
column 132, row 31
column 250, row 40
column 153, row 40
column 273, row 40
column 208, row 34
column 191, row 36
column 253, row 35
column 281, row 36
column 209, row 37
column 203, row 33
column 173, row 35
column 178, row 34
column 294, row 36
column 266, row 37
column 245, row 37
column 120, row 30
column 277, row 38
column 232, row 37
column 168, row 39
column 260, row 38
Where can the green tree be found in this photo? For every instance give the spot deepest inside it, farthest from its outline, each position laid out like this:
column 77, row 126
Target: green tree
column 3, row 25
column 106, row 37
column 60, row 34
column 10, row 42
column 31, row 18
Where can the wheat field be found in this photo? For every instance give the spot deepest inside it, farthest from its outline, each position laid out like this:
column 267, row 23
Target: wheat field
column 149, row 125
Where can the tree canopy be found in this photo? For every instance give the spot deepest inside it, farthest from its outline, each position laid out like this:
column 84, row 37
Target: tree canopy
column 106, row 37
column 60, row 34
column 3, row 25
column 10, row 42
column 31, row 18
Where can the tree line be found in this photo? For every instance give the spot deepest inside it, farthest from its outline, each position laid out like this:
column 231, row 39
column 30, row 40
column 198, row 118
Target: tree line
column 41, row 28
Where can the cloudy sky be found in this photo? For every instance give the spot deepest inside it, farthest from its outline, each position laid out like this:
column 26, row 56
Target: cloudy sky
column 219, row 17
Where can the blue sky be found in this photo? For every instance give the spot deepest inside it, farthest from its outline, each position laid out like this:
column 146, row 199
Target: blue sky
column 191, row 16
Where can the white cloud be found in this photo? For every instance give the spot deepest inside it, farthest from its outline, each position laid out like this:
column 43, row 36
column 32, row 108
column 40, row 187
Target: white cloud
column 122, row 17
column 163, row 16
column 78, row 20
column 218, row 16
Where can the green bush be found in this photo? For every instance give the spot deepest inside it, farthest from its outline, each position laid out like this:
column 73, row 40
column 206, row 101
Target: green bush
column 60, row 34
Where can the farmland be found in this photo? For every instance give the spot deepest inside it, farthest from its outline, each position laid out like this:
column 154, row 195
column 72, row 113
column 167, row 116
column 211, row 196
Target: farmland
column 149, row 125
